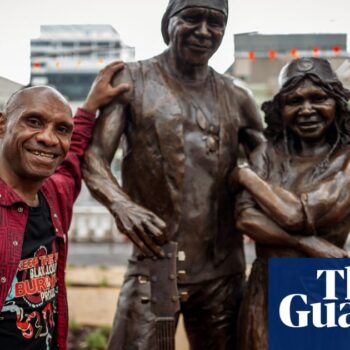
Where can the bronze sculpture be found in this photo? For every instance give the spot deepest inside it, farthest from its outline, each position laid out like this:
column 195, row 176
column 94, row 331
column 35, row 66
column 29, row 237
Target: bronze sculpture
column 295, row 202
column 182, row 123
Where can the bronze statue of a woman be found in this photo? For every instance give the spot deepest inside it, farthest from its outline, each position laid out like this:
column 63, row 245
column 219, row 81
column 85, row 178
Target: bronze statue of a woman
column 296, row 198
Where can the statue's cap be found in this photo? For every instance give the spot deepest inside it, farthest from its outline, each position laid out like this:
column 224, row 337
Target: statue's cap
column 305, row 66
column 176, row 6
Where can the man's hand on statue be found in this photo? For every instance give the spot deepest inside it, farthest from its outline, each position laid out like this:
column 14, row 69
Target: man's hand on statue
column 145, row 229
column 317, row 247
column 102, row 92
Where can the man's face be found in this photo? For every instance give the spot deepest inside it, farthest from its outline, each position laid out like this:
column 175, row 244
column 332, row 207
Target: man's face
column 36, row 135
column 308, row 111
column 196, row 33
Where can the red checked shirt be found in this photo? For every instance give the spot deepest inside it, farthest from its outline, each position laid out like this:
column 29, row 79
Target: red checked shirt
column 60, row 190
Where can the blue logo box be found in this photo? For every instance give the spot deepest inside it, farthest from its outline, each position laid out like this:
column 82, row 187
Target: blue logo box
column 309, row 304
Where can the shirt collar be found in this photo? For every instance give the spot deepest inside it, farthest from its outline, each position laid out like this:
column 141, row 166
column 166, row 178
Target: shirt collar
column 8, row 196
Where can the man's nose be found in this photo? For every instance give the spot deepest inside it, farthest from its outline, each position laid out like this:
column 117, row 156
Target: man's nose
column 203, row 29
column 47, row 136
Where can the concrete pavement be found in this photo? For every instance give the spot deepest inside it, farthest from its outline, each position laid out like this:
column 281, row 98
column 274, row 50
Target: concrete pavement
column 93, row 294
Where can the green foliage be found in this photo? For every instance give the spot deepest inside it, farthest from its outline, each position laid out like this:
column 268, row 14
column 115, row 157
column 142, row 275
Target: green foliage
column 106, row 330
column 73, row 325
column 103, row 282
column 68, row 283
column 97, row 340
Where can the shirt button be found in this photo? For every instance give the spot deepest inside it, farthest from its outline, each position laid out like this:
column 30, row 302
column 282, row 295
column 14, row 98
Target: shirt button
column 3, row 279
column 15, row 243
column 55, row 216
column 20, row 209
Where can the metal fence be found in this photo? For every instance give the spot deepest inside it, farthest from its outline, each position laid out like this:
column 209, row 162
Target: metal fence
column 94, row 224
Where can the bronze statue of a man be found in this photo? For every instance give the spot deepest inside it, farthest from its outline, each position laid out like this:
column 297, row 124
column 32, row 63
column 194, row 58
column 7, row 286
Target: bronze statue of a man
column 182, row 123
column 296, row 201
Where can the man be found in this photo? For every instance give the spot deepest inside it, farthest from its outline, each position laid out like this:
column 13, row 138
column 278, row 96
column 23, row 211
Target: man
column 40, row 178
column 182, row 123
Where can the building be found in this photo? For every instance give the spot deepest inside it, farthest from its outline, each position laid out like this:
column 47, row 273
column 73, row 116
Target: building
column 260, row 57
column 343, row 72
column 7, row 88
column 68, row 57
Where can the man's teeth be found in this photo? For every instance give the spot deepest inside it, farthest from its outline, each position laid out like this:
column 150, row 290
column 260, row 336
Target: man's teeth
column 42, row 154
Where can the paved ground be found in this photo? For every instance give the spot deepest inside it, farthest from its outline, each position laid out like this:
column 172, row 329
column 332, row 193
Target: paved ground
column 92, row 297
column 94, row 276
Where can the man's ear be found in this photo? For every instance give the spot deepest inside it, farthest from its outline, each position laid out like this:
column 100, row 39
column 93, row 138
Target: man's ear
column 2, row 124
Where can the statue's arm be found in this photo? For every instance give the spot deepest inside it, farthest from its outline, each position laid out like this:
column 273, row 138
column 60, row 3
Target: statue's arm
column 326, row 205
column 283, row 206
column 254, row 223
column 142, row 226
column 329, row 203
column 250, row 132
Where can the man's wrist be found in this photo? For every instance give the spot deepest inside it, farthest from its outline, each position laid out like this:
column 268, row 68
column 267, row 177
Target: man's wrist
column 83, row 110
column 90, row 108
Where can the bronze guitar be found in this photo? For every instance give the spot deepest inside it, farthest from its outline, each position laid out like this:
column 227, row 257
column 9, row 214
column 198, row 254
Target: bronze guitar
column 164, row 295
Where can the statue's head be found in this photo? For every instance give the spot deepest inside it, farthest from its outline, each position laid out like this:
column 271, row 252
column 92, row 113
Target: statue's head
column 311, row 101
column 194, row 28
column 311, row 106
column 306, row 66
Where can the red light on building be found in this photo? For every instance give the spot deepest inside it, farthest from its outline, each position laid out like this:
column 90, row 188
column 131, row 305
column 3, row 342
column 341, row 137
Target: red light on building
column 294, row 53
column 36, row 65
column 336, row 50
column 251, row 55
column 272, row 54
column 315, row 51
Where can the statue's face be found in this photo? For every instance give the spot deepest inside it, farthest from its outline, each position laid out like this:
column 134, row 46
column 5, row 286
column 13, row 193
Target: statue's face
column 308, row 111
column 196, row 33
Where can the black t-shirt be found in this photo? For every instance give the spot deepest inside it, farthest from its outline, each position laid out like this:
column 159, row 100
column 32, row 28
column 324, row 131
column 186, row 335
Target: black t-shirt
column 27, row 320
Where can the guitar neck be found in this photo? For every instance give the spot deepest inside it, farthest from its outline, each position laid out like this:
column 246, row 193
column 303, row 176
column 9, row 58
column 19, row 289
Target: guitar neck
column 165, row 333
column 165, row 296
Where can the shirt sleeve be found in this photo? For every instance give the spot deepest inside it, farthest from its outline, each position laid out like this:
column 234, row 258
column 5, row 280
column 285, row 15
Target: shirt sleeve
column 67, row 178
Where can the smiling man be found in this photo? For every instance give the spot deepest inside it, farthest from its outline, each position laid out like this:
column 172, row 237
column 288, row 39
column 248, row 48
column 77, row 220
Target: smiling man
column 41, row 147
column 181, row 122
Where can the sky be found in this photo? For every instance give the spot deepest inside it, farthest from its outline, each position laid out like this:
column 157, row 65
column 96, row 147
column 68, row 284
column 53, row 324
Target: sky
column 138, row 22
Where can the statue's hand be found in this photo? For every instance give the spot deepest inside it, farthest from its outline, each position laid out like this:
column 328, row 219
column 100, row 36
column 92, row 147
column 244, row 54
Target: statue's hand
column 317, row 247
column 145, row 229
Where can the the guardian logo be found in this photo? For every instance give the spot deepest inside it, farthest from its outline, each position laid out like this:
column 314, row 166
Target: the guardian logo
column 324, row 309
column 309, row 304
